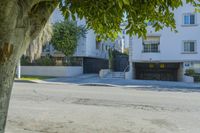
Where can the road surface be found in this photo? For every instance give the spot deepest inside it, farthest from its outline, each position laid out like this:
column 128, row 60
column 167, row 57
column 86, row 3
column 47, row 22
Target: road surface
column 62, row 108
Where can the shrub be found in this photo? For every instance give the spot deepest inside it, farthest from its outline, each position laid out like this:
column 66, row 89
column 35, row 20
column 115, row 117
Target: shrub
column 25, row 61
column 190, row 72
column 197, row 77
column 44, row 61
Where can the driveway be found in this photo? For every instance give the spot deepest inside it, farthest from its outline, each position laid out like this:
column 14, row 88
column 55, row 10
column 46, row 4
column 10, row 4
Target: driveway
column 71, row 108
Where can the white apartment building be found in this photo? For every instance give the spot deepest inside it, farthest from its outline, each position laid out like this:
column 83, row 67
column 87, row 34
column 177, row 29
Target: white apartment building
column 88, row 46
column 165, row 55
column 92, row 53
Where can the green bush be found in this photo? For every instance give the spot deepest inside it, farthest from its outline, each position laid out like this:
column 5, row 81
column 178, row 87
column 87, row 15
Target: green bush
column 197, row 77
column 44, row 61
column 190, row 72
column 25, row 61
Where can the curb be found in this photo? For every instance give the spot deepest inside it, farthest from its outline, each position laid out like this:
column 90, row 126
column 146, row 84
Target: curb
column 112, row 85
column 24, row 81
column 99, row 84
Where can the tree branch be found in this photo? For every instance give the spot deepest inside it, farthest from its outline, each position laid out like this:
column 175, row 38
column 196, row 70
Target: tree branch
column 39, row 15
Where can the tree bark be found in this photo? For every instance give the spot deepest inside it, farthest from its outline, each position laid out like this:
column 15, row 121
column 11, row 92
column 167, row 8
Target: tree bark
column 6, row 82
column 110, row 60
column 20, row 22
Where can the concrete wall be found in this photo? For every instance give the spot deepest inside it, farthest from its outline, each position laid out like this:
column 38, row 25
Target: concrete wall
column 171, row 43
column 87, row 45
column 104, row 72
column 55, row 71
column 192, row 65
column 188, row 79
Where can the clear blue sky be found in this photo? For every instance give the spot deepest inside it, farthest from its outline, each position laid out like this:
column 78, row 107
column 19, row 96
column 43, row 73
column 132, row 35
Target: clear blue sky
column 57, row 16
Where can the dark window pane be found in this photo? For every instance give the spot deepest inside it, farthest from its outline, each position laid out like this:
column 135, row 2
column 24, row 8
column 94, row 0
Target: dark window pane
column 192, row 19
column 191, row 46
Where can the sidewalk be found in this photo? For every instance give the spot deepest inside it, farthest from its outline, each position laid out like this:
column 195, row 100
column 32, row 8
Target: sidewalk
column 94, row 80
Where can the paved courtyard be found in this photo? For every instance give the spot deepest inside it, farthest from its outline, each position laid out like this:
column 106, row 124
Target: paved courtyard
column 73, row 108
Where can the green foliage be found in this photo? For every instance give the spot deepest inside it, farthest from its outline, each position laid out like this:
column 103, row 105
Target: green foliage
column 44, row 61
column 197, row 77
column 65, row 36
column 35, row 77
column 190, row 72
column 25, row 61
column 106, row 16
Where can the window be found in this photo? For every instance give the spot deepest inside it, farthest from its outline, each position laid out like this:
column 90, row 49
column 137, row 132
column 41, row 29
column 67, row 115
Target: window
column 189, row 46
column 189, row 19
column 151, row 44
column 150, row 48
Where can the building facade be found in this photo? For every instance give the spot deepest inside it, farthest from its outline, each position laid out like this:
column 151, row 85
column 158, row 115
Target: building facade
column 165, row 55
column 92, row 54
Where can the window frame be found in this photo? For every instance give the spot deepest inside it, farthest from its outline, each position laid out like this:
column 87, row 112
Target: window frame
column 151, row 47
column 189, row 52
column 189, row 14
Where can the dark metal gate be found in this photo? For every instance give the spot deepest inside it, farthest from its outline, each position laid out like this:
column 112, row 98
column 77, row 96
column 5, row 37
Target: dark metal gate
column 94, row 65
column 120, row 63
column 157, row 71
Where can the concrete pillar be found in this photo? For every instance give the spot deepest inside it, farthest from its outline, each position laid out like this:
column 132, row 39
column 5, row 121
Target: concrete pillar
column 19, row 70
column 181, row 72
column 129, row 74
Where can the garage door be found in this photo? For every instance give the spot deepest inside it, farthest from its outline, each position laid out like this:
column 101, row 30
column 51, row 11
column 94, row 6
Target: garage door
column 157, row 71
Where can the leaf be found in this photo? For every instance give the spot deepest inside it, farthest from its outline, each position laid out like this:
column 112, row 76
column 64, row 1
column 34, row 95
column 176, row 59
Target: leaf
column 66, row 35
column 106, row 16
column 120, row 3
column 126, row 2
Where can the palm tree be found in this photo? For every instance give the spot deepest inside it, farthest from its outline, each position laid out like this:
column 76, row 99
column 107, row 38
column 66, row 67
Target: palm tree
column 35, row 48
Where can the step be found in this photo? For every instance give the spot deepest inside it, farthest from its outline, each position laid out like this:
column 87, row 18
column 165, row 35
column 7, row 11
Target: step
column 120, row 75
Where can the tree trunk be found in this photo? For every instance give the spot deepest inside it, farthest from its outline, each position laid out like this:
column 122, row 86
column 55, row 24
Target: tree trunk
column 110, row 60
column 20, row 22
column 6, row 82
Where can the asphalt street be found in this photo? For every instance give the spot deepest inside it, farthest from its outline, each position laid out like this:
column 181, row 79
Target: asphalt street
column 71, row 108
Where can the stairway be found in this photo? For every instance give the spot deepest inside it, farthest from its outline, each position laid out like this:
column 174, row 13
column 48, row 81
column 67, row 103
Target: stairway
column 120, row 75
